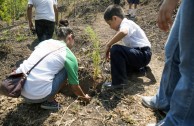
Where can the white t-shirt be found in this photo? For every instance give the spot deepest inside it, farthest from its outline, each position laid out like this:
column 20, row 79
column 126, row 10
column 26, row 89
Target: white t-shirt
column 135, row 35
column 39, row 82
column 44, row 9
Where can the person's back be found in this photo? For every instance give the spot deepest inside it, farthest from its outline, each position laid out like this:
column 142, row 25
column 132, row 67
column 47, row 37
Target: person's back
column 46, row 16
column 43, row 73
column 44, row 9
column 136, row 37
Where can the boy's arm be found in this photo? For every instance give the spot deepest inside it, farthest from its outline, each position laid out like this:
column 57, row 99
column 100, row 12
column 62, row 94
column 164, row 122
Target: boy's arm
column 119, row 35
column 78, row 92
column 114, row 40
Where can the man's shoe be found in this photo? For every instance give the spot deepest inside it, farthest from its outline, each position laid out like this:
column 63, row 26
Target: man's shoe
column 148, row 101
column 54, row 105
column 108, row 85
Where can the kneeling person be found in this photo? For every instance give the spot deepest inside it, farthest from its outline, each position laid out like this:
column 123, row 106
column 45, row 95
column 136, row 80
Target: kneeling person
column 49, row 76
column 134, row 54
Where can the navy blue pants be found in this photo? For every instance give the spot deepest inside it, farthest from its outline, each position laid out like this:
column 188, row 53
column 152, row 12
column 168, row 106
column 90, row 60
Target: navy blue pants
column 124, row 60
column 116, row 2
column 44, row 29
column 133, row 1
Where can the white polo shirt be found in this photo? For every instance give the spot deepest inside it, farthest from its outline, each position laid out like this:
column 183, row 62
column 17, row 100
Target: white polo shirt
column 44, row 9
column 135, row 35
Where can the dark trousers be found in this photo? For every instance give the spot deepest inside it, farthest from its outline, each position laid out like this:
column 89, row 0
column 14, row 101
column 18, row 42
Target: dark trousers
column 44, row 29
column 133, row 1
column 125, row 59
column 116, row 2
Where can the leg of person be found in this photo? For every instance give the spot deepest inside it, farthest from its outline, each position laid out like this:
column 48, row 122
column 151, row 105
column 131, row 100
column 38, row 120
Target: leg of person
column 182, row 102
column 58, row 82
column 49, row 29
column 130, row 7
column 118, row 67
column 124, row 58
column 39, row 30
column 136, row 2
column 144, row 56
column 135, row 5
column 170, row 75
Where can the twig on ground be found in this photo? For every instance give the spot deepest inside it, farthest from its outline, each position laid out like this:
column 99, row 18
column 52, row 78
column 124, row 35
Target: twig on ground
column 98, row 119
column 66, row 111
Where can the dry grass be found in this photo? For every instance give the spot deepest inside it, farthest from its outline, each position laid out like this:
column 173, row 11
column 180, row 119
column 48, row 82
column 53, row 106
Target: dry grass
column 107, row 107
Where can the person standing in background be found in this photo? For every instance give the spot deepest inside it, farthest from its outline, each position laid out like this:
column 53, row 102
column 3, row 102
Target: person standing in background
column 46, row 16
column 132, row 11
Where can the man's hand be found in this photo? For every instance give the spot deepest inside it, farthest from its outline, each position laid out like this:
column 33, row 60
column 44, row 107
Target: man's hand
column 31, row 26
column 165, row 14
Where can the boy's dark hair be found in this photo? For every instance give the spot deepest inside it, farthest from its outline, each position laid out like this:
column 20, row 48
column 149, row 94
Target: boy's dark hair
column 113, row 10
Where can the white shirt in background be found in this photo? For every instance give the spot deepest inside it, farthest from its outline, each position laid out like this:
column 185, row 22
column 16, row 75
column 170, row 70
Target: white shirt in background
column 44, row 9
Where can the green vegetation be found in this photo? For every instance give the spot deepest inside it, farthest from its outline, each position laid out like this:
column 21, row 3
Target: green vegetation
column 6, row 48
column 11, row 10
column 5, row 35
column 95, row 51
column 20, row 38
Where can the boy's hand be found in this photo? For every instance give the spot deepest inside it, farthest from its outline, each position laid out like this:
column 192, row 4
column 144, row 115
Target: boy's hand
column 107, row 53
column 13, row 72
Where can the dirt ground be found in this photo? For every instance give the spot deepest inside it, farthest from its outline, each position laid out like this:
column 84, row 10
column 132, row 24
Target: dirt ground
column 107, row 108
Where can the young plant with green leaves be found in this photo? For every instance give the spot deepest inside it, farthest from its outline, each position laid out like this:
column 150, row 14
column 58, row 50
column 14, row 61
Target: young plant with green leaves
column 95, row 51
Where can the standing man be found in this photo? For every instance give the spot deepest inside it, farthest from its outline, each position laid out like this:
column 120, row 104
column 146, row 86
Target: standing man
column 46, row 16
column 132, row 11
column 176, row 93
